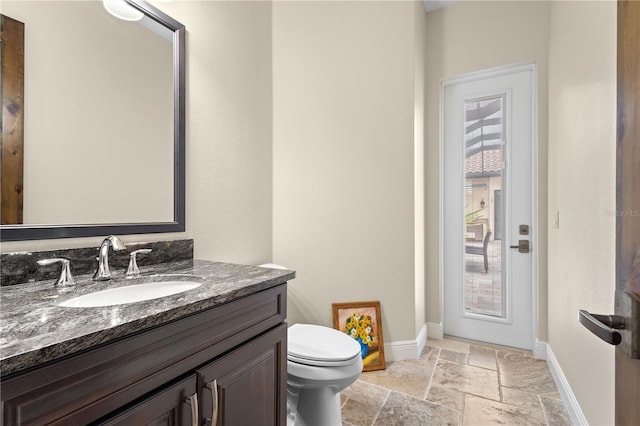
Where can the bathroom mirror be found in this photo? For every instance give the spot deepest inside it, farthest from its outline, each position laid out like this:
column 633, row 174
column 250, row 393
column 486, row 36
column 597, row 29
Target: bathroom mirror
column 104, row 121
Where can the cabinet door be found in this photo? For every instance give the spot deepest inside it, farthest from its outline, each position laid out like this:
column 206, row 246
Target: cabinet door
column 170, row 406
column 248, row 386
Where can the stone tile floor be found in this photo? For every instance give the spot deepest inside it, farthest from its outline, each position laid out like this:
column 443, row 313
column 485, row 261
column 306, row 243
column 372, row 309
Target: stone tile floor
column 457, row 382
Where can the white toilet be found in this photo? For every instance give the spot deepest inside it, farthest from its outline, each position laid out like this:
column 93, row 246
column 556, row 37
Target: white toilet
column 321, row 362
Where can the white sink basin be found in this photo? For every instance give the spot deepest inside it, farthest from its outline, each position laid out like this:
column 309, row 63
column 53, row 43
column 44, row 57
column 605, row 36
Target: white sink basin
column 130, row 294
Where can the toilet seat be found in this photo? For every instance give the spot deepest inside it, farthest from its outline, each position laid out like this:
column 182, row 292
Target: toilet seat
column 320, row 346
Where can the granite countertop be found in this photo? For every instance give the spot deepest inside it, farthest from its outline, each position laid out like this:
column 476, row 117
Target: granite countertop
column 35, row 330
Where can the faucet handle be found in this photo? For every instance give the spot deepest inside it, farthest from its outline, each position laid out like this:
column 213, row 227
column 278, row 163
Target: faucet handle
column 133, row 270
column 65, row 279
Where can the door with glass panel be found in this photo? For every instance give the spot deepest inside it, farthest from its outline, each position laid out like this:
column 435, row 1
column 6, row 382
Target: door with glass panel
column 487, row 142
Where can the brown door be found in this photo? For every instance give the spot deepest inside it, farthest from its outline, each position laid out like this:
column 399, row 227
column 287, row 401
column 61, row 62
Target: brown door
column 628, row 201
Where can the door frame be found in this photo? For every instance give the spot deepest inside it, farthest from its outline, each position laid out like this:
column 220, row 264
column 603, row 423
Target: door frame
column 539, row 349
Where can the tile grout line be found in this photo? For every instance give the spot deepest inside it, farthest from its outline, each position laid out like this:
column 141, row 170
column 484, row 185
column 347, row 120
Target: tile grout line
column 488, row 345
column 464, row 405
column 381, row 406
column 474, row 366
column 464, row 398
column 498, row 371
column 404, row 393
column 544, row 413
column 374, row 384
column 345, row 402
column 433, row 371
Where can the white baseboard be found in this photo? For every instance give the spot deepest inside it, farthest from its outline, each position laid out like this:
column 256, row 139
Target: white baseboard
column 406, row 349
column 568, row 397
column 422, row 339
column 540, row 350
column 401, row 350
column 435, row 331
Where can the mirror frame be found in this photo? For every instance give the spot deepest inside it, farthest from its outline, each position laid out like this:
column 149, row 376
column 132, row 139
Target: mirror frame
column 39, row 232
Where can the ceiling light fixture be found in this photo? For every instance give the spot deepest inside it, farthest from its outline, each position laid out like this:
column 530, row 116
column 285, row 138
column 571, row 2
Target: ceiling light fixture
column 122, row 10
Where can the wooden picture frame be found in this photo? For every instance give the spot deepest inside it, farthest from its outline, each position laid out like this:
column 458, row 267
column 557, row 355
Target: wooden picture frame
column 362, row 321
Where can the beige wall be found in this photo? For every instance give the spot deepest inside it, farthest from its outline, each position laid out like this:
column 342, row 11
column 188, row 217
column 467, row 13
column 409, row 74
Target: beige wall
column 512, row 32
column 229, row 168
column 344, row 157
column 582, row 72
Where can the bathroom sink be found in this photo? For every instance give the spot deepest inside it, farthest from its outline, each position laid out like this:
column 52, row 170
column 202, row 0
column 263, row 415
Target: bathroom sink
column 130, row 294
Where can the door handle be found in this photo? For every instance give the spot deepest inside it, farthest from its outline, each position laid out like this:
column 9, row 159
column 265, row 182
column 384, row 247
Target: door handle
column 603, row 326
column 622, row 329
column 523, row 246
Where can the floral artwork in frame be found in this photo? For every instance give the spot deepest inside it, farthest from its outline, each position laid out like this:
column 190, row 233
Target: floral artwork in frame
column 362, row 321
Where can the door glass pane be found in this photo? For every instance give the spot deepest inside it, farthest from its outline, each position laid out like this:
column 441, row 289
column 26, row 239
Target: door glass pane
column 484, row 214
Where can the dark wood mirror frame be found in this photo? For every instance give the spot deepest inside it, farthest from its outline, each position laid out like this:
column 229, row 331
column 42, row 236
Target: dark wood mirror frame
column 38, row 232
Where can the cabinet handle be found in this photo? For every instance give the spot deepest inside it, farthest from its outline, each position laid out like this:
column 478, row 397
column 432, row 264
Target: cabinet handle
column 213, row 386
column 193, row 401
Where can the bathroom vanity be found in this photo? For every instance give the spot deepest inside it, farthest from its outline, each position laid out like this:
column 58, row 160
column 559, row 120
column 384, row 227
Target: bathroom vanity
column 212, row 355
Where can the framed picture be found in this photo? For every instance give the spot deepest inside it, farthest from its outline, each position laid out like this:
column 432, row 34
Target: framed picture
column 362, row 321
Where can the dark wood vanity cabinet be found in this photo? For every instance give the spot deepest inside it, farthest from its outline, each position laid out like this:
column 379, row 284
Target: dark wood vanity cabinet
column 242, row 388
column 169, row 406
column 227, row 362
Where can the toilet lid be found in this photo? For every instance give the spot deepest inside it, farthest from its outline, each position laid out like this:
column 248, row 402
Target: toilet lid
column 318, row 345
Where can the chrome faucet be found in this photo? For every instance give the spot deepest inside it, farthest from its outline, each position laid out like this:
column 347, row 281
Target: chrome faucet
column 103, row 273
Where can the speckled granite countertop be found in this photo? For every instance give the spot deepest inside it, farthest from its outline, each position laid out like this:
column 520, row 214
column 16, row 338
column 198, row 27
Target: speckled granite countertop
column 35, row 330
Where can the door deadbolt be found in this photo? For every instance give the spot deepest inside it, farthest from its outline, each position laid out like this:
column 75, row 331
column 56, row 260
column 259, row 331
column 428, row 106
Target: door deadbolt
column 523, row 246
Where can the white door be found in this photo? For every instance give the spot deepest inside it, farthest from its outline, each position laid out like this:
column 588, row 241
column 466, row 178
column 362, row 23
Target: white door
column 487, row 145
